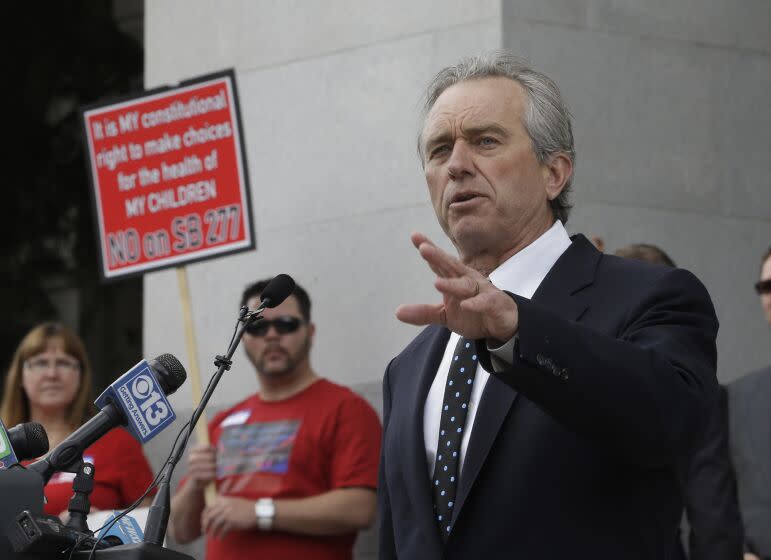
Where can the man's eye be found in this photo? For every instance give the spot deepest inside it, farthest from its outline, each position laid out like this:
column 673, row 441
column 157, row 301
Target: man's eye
column 488, row 141
column 439, row 150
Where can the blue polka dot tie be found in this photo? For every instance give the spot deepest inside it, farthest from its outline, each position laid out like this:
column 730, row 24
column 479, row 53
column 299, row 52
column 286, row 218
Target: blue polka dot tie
column 457, row 394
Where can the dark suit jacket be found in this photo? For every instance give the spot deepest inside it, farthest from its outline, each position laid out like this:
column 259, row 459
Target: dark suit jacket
column 575, row 448
column 711, row 503
column 749, row 405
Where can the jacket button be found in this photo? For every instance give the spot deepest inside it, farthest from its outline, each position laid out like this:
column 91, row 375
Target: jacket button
column 564, row 374
column 540, row 360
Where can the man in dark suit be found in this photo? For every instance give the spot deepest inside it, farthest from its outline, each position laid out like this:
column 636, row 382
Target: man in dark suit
column 750, row 423
column 543, row 412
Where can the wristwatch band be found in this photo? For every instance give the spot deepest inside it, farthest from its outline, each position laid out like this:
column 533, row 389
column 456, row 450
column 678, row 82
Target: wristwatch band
column 265, row 511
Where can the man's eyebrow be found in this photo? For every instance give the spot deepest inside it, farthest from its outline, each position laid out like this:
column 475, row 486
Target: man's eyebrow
column 486, row 129
column 438, row 138
column 445, row 136
column 476, row 130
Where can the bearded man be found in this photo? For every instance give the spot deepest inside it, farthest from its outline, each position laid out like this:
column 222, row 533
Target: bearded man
column 295, row 464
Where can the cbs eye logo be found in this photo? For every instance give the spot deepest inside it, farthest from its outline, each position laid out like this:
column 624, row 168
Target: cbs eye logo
column 144, row 390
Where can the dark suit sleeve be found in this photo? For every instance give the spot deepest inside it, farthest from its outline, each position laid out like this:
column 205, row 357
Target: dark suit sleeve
column 711, row 502
column 386, row 547
column 641, row 392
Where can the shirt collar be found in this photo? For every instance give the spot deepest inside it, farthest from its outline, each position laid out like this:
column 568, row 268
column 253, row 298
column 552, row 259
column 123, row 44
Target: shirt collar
column 524, row 271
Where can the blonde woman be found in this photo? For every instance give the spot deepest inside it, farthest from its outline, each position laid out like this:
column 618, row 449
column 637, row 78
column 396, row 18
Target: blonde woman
column 49, row 381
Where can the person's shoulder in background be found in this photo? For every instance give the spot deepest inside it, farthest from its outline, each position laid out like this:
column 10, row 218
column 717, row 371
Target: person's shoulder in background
column 751, row 382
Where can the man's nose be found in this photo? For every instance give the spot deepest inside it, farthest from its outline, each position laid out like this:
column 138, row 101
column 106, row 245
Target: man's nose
column 461, row 162
column 272, row 333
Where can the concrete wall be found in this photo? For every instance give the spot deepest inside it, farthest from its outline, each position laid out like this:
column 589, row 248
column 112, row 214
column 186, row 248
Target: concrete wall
column 673, row 131
column 329, row 95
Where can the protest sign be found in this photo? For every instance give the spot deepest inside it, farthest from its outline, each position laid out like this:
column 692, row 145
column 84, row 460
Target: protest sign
column 169, row 177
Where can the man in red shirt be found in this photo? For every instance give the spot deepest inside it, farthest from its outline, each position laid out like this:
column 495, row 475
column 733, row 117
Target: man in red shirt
column 295, row 464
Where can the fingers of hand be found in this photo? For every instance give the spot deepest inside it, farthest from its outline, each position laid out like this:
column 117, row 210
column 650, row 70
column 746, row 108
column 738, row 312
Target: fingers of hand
column 202, row 460
column 214, row 519
column 202, row 449
column 202, row 455
column 203, row 470
column 202, row 464
column 501, row 316
column 203, row 474
column 487, row 302
column 461, row 288
column 206, row 517
column 420, row 314
column 228, row 514
column 435, row 260
column 424, row 245
column 444, row 264
column 441, row 262
column 418, row 239
column 202, row 480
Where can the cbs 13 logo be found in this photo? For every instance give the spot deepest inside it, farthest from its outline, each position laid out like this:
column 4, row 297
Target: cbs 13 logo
column 145, row 391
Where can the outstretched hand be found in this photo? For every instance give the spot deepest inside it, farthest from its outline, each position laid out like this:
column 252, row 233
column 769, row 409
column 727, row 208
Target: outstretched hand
column 471, row 305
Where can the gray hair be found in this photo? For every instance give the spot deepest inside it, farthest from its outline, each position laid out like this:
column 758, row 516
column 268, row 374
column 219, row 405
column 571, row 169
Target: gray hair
column 547, row 118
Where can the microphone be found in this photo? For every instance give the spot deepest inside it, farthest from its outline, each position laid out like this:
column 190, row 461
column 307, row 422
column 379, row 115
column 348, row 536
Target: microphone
column 277, row 290
column 136, row 400
column 22, row 442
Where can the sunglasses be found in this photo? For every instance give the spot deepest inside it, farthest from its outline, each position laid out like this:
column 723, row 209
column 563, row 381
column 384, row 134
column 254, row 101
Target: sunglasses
column 283, row 325
column 763, row 287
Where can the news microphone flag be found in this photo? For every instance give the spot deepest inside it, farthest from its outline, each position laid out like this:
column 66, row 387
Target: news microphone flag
column 7, row 456
column 142, row 400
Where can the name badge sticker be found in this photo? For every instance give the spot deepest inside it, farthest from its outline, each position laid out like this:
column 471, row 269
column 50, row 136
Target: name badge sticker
column 236, row 419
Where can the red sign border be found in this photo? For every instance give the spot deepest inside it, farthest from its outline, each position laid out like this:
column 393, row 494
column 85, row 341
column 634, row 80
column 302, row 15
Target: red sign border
column 248, row 218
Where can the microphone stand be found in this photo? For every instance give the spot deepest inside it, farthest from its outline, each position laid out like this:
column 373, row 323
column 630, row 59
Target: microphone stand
column 158, row 515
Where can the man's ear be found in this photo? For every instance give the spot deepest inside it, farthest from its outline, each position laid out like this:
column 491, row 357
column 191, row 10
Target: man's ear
column 558, row 171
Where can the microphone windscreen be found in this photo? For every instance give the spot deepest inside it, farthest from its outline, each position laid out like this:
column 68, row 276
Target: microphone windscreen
column 29, row 440
column 277, row 290
column 37, row 438
column 171, row 373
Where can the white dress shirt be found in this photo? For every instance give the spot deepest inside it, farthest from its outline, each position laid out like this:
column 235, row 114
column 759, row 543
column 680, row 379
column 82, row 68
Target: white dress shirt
column 521, row 274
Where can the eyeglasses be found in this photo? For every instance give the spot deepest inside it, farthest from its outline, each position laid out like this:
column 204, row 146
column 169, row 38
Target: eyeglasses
column 763, row 287
column 283, row 325
column 39, row 365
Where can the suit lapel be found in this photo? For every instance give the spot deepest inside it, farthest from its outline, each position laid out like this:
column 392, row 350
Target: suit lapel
column 417, row 478
column 493, row 408
column 573, row 271
column 559, row 291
